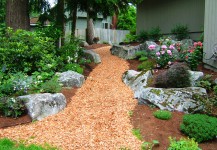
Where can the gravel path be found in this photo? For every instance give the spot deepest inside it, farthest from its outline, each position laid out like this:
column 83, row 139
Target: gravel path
column 97, row 117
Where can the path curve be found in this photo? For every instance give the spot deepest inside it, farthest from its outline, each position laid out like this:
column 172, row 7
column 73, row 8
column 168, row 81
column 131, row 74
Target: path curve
column 97, row 117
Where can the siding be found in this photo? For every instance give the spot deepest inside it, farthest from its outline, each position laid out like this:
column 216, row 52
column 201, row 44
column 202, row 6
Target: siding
column 168, row 13
column 210, row 30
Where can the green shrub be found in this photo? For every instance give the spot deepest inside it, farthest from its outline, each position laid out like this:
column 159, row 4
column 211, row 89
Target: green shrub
column 215, row 89
column 73, row 67
column 181, row 32
column 12, row 107
column 163, row 114
column 183, row 144
column 177, row 76
column 200, row 127
column 155, row 33
column 51, row 86
column 142, row 36
column 27, row 52
column 146, row 65
column 206, row 82
column 143, row 58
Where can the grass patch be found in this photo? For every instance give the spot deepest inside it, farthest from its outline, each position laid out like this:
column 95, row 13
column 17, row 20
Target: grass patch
column 137, row 133
column 7, row 144
column 163, row 114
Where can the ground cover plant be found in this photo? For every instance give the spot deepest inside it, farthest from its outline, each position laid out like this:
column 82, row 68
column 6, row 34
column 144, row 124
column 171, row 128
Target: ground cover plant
column 163, row 114
column 7, row 144
column 199, row 126
column 183, row 144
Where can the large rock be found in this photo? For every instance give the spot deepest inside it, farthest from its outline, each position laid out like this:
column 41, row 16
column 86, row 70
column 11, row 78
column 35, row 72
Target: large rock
column 195, row 77
column 84, row 43
column 93, row 56
column 136, row 80
column 179, row 99
column 148, row 43
column 71, row 79
column 40, row 106
column 125, row 52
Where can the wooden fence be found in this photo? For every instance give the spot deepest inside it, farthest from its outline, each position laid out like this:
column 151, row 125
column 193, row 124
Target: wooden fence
column 105, row 35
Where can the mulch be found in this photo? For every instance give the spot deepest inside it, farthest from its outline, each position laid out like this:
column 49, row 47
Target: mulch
column 97, row 117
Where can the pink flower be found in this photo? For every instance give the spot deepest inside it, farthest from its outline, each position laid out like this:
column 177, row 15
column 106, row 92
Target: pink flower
column 158, row 53
column 195, row 44
column 200, row 44
column 171, row 47
column 169, row 52
column 163, row 47
column 162, row 52
column 151, row 47
column 169, row 63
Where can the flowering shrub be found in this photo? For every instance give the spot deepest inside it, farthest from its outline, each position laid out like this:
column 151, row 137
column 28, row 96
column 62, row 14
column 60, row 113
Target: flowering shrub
column 164, row 57
column 194, row 55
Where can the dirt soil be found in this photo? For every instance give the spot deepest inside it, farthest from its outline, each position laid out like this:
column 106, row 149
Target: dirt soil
column 97, row 117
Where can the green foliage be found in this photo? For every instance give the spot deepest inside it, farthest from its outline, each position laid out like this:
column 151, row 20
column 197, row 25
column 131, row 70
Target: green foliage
column 12, row 107
column 149, row 145
column 142, row 36
column 163, row 114
column 142, row 55
column 194, row 56
column 181, row 32
column 130, row 37
column 127, row 19
column 146, row 65
column 51, row 86
column 137, row 133
column 71, row 52
column 177, row 76
column 73, row 67
column 215, row 90
column 50, row 31
column 26, row 52
column 155, row 33
column 200, row 127
column 206, row 82
column 209, row 103
column 130, row 113
column 183, row 144
column 7, row 144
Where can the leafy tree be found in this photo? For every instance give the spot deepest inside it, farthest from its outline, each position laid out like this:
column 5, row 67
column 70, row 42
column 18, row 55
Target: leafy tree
column 127, row 19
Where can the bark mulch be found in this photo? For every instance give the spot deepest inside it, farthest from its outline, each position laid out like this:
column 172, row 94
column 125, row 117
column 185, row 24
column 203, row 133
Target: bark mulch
column 96, row 118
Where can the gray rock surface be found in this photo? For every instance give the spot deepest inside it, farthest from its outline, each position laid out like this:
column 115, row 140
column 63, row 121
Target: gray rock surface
column 84, row 43
column 125, row 52
column 136, row 80
column 179, row 99
column 40, row 106
column 93, row 56
column 71, row 79
column 215, row 81
column 195, row 77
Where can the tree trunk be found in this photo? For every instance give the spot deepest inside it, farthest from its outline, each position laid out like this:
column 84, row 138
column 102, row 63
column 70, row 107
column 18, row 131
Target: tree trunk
column 60, row 20
column 74, row 19
column 90, row 29
column 17, row 14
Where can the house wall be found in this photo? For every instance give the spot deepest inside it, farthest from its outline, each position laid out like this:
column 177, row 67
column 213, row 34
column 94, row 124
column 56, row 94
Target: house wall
column 210, row 34
column 168, row 13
